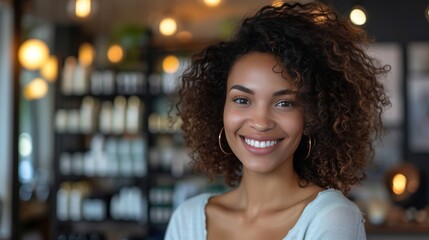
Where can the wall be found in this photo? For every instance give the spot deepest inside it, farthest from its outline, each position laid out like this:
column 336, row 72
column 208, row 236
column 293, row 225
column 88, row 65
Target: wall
column 400, row 22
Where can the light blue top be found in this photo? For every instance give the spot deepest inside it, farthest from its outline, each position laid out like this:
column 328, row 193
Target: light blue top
column 329, row 216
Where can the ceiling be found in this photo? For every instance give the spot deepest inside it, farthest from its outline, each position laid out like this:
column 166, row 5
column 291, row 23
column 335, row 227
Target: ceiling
column 192, row 15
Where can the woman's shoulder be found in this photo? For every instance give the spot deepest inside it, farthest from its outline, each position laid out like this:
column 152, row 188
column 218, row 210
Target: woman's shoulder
column 194, row 203
column 331, row 207
column 188, row 219
column 193, row 206
column 331, row 198
column 331, row 215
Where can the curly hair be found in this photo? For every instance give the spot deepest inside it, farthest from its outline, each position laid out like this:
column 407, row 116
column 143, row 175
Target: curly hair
column 338, row 87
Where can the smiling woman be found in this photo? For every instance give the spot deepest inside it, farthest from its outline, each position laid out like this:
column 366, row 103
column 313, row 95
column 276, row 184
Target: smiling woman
column 298, row 101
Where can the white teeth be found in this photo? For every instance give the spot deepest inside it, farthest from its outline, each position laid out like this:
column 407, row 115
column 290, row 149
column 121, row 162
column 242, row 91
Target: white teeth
column 260, row 144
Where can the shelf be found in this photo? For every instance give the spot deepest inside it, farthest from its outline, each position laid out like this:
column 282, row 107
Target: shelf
column 111, row 228
column 160, row 143
column 33, row 210
column 403, row 228
column 80, row 134
column 109, row 96
column 73, row 178
column 105, row 223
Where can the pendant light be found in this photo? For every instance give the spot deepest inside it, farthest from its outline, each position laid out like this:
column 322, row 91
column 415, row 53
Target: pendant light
column 81, row 9
column 115, row 53
column 170, row 64
column 358, row 15
column 168, row 26
column 32, row 54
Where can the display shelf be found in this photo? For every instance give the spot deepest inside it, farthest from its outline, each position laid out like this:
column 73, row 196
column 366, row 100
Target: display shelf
column 105, row 230
column 403, row 228
column 101, row 184
column 96, row 161
column 113, row 224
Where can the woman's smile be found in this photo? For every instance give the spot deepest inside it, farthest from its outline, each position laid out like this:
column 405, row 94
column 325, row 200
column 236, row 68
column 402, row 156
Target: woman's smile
column 260, row 144
column 260, row 147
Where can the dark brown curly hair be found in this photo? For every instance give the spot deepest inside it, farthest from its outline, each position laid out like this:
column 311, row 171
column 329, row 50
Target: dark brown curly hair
column 338, row 84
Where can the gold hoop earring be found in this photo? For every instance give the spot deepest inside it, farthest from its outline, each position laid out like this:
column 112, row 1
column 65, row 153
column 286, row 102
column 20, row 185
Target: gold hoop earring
column 311, row 144
column 220, row 142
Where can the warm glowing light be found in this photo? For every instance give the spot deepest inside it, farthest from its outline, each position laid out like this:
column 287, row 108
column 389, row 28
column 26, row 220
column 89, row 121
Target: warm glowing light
column 36, row 89
column 277, row 3
column 358, row 16
column 33, row 54
column 212, row 3
column 168, row 26
column 115, row 53
column 184, row 36
column 83, row 8
column 49, row 70
column 86, row 54
column 399, row 184
column 170, row 64
column 413, row 185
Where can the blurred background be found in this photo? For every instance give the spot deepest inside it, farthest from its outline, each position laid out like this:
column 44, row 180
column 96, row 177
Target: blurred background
column 87, row 91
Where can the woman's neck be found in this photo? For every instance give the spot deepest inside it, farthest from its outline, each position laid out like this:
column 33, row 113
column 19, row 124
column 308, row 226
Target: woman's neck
column 266, row 192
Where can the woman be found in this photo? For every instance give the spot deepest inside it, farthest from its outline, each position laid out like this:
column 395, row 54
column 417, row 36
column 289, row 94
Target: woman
column 287, row 112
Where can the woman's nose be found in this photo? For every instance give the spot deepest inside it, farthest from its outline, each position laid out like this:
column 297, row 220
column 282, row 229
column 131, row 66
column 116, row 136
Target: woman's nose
column 261, row 120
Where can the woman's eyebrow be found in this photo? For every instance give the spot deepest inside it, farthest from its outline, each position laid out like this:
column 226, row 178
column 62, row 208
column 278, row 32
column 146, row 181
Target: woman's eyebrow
column 250, row 91
column 242, row 88
column 284, row 92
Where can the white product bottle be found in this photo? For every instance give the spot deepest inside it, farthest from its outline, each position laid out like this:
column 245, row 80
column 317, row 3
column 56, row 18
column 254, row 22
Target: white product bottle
column 106, row 115
column 118, row 123
column 134, row 115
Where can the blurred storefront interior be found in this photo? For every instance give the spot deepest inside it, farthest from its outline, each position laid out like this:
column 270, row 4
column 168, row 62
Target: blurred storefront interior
column 87, row 92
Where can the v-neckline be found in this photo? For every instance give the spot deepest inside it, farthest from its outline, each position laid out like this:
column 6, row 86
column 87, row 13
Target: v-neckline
column 290, row 231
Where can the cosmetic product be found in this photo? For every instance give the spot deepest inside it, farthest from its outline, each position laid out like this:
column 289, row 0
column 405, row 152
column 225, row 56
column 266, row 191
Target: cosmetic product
column 133, row 115
column 115, row 212
column 87, row 115
column 111, row 156
column 61, row 120
column 67, row 76
column 118, row 118
column 73, row 120
column 89, row 165
column 106, row 117
column 75, row 204
column 62, row 204
column 80, row 80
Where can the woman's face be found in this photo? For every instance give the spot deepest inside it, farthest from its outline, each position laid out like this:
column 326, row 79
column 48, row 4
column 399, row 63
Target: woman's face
column 263, row 123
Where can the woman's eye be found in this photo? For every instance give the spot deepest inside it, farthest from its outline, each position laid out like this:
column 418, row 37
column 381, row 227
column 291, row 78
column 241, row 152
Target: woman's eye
column 284, row 103
column 241, row 100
